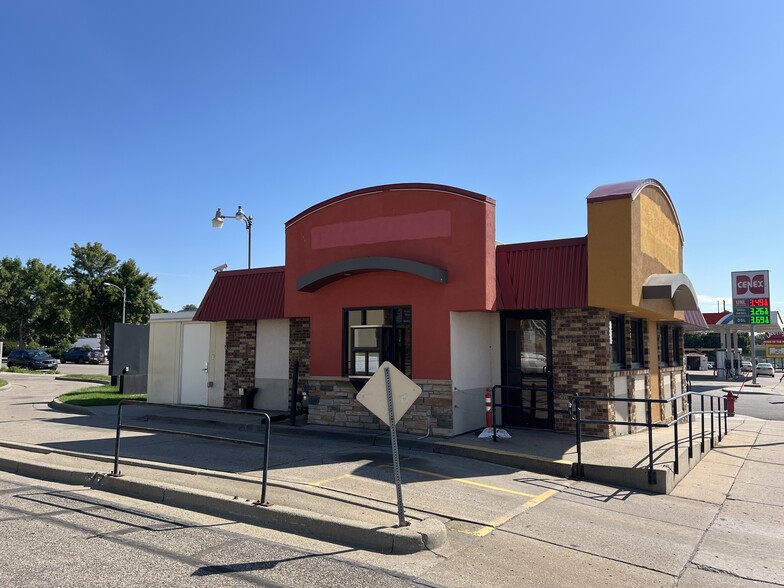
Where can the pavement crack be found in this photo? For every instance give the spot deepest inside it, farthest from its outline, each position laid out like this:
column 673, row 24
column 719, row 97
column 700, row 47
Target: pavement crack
column 723, row 572
column 589, row 553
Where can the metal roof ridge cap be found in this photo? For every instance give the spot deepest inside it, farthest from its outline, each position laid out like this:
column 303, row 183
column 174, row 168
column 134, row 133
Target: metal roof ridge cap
column 371, row 190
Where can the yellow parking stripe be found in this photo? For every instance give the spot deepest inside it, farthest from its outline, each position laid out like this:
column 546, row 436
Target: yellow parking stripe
column 328, row 480
column 463, row 481
column 522, row 508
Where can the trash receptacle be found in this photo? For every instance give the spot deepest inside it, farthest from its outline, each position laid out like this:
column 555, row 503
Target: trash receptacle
column 247, row 397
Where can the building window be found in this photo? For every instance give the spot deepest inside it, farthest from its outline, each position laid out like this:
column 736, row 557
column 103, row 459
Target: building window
column 676, row 347
column 664, row 347
column 375, row 335
column 617, row 342
column 637, row 344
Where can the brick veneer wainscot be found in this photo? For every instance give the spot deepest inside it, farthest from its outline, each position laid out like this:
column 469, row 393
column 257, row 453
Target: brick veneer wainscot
column 240, row 360
column 334, row 403
column 581, row 363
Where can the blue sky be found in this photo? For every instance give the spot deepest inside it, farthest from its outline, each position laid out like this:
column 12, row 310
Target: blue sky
column 129, row 123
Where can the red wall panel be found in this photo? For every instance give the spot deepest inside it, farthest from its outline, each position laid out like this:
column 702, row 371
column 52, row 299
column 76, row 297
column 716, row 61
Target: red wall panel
column 437, row 225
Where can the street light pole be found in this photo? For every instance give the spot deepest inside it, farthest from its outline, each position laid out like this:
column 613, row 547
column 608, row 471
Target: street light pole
column 217, row 223
column 123, row 293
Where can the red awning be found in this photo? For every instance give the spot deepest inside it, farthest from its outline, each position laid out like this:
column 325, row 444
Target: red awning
column 240, row 295
column 695, row 318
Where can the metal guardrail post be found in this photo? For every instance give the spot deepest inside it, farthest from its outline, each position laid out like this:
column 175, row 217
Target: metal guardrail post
column 116, row 471
column 691, row 428
column 711, row 419
column 675, row 429
column 294, row 386
column 492, row 412
column 265, row 460
column 649, row 423
column 579, row 435
column 702, row 415
column 718, row 416
column 726, row 426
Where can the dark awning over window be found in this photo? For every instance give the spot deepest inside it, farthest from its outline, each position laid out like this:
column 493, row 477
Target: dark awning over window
column 332, row 272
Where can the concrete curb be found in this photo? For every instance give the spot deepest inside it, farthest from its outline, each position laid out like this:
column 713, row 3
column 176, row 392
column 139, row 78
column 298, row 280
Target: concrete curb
column 635, row 478
column 71, row 408
column 554, row 467
column 756, row 392
column 429, row 533
column 88, row 380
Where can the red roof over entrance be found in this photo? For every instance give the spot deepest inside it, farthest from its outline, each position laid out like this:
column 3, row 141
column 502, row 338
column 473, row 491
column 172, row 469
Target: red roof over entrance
column 545, row 274
column 243, row 295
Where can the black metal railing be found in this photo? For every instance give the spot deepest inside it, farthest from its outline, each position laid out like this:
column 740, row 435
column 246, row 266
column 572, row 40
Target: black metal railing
column 714, row 412
column 265, row 420
column 532, row 407
column 717, row 409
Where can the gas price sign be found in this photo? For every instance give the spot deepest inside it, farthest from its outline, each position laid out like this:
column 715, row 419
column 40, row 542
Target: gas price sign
column 751, row 297
column 759, row 311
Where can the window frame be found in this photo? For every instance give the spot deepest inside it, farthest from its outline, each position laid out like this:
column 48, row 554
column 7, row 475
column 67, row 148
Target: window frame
column 664, row 346
column 392, row 343
column 637, row 343
column 617, row 341
column 677, row 351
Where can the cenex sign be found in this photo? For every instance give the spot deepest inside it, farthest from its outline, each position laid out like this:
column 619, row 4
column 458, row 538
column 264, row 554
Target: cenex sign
column 751, row 297
column 750, row 284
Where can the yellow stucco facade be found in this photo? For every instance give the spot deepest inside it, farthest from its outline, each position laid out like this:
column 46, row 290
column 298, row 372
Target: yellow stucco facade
column 630, row 238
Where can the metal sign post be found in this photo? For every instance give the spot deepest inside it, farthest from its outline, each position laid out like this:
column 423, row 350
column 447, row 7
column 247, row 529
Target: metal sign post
column 388, row 394
column 395, row 453
column 753, row 357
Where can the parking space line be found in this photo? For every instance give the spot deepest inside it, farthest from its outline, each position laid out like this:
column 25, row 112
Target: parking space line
column 328, row 480
column 522, row 508
column 464, row 481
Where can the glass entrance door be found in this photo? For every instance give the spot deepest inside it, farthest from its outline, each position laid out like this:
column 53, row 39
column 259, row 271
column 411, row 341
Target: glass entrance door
column 527, row 374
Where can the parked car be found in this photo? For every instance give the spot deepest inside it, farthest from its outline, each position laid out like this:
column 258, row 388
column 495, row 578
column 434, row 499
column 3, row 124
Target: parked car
column 765, row 369
column 711, row 365
column 745, row 366
column 533, row 363
column 34, row 359
column 81, row 355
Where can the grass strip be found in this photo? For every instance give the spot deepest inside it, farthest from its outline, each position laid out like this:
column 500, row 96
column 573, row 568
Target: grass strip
column 98, row 396
column 101, row 377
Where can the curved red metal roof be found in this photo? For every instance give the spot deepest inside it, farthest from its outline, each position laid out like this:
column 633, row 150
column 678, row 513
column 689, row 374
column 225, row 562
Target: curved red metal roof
column 387, row 188
column 239, row 295
column 542, row 275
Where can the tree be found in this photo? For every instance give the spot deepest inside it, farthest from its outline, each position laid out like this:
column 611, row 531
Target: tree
column 33, row 301
column 95, row 305
column 189, row 308
column 141, row 298
column 702, row 340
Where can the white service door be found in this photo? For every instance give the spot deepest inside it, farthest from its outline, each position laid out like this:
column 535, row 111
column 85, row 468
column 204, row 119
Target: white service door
column 195, row 356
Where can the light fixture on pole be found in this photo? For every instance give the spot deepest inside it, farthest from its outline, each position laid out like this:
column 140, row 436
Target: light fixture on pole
column 217, row 223
column 123, row 293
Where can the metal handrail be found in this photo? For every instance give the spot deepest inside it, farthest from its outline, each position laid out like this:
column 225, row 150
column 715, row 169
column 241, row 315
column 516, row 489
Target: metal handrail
column 650, row 425
column 574, row 410
column 532, row 388
column 265, row 420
